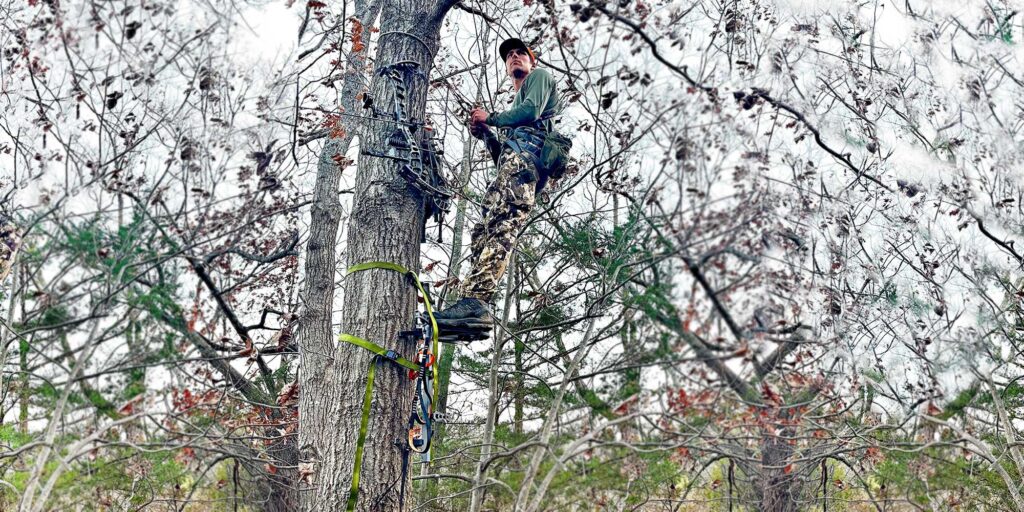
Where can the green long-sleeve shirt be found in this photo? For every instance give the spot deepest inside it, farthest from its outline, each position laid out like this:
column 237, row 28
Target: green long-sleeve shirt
column 536, row 98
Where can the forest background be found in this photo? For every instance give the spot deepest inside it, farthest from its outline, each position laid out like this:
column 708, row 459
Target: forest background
column 782, row 272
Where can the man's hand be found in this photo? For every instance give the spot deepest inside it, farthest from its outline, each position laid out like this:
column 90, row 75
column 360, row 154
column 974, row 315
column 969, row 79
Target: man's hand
column 480, row 131
column 478, row 116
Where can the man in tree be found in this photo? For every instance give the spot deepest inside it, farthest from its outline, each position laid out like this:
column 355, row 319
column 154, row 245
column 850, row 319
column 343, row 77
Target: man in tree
column 511, row 196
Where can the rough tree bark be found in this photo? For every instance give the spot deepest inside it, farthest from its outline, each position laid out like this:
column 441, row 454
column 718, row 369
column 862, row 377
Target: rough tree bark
column 384, row 225
column 780, row 486
column 314, row 335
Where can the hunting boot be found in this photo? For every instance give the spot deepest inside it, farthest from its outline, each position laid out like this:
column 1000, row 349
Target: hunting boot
column 468, row 314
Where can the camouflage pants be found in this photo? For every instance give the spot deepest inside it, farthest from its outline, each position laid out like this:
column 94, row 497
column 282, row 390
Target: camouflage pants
column 507, row 204
column 9, row 242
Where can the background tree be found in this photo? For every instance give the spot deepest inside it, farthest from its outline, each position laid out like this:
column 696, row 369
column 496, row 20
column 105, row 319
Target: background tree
column 384, row 225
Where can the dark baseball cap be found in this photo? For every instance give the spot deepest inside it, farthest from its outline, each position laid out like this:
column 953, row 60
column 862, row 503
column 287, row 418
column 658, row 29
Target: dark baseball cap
column 514, row 43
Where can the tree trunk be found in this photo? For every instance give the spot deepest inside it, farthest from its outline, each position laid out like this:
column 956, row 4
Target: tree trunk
column 314, row 336
column 385, row 225
column 547, row 429
column 779, row 488
column 281, row 495
column 520, row 384
column 494, row 395
column 23, row 386
column 7, row 337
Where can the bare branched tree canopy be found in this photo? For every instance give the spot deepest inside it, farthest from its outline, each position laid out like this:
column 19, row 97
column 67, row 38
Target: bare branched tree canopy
column 783, row 269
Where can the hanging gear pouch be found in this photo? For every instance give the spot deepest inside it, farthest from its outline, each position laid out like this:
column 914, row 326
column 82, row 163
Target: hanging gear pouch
column 554, row 155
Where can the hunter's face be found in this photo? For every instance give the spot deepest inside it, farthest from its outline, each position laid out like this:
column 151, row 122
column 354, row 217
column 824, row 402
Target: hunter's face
column 518, row 63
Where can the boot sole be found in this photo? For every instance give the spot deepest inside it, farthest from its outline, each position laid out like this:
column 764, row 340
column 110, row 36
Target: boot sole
column 463, row 323
column 464, row 331
column 463, row 339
